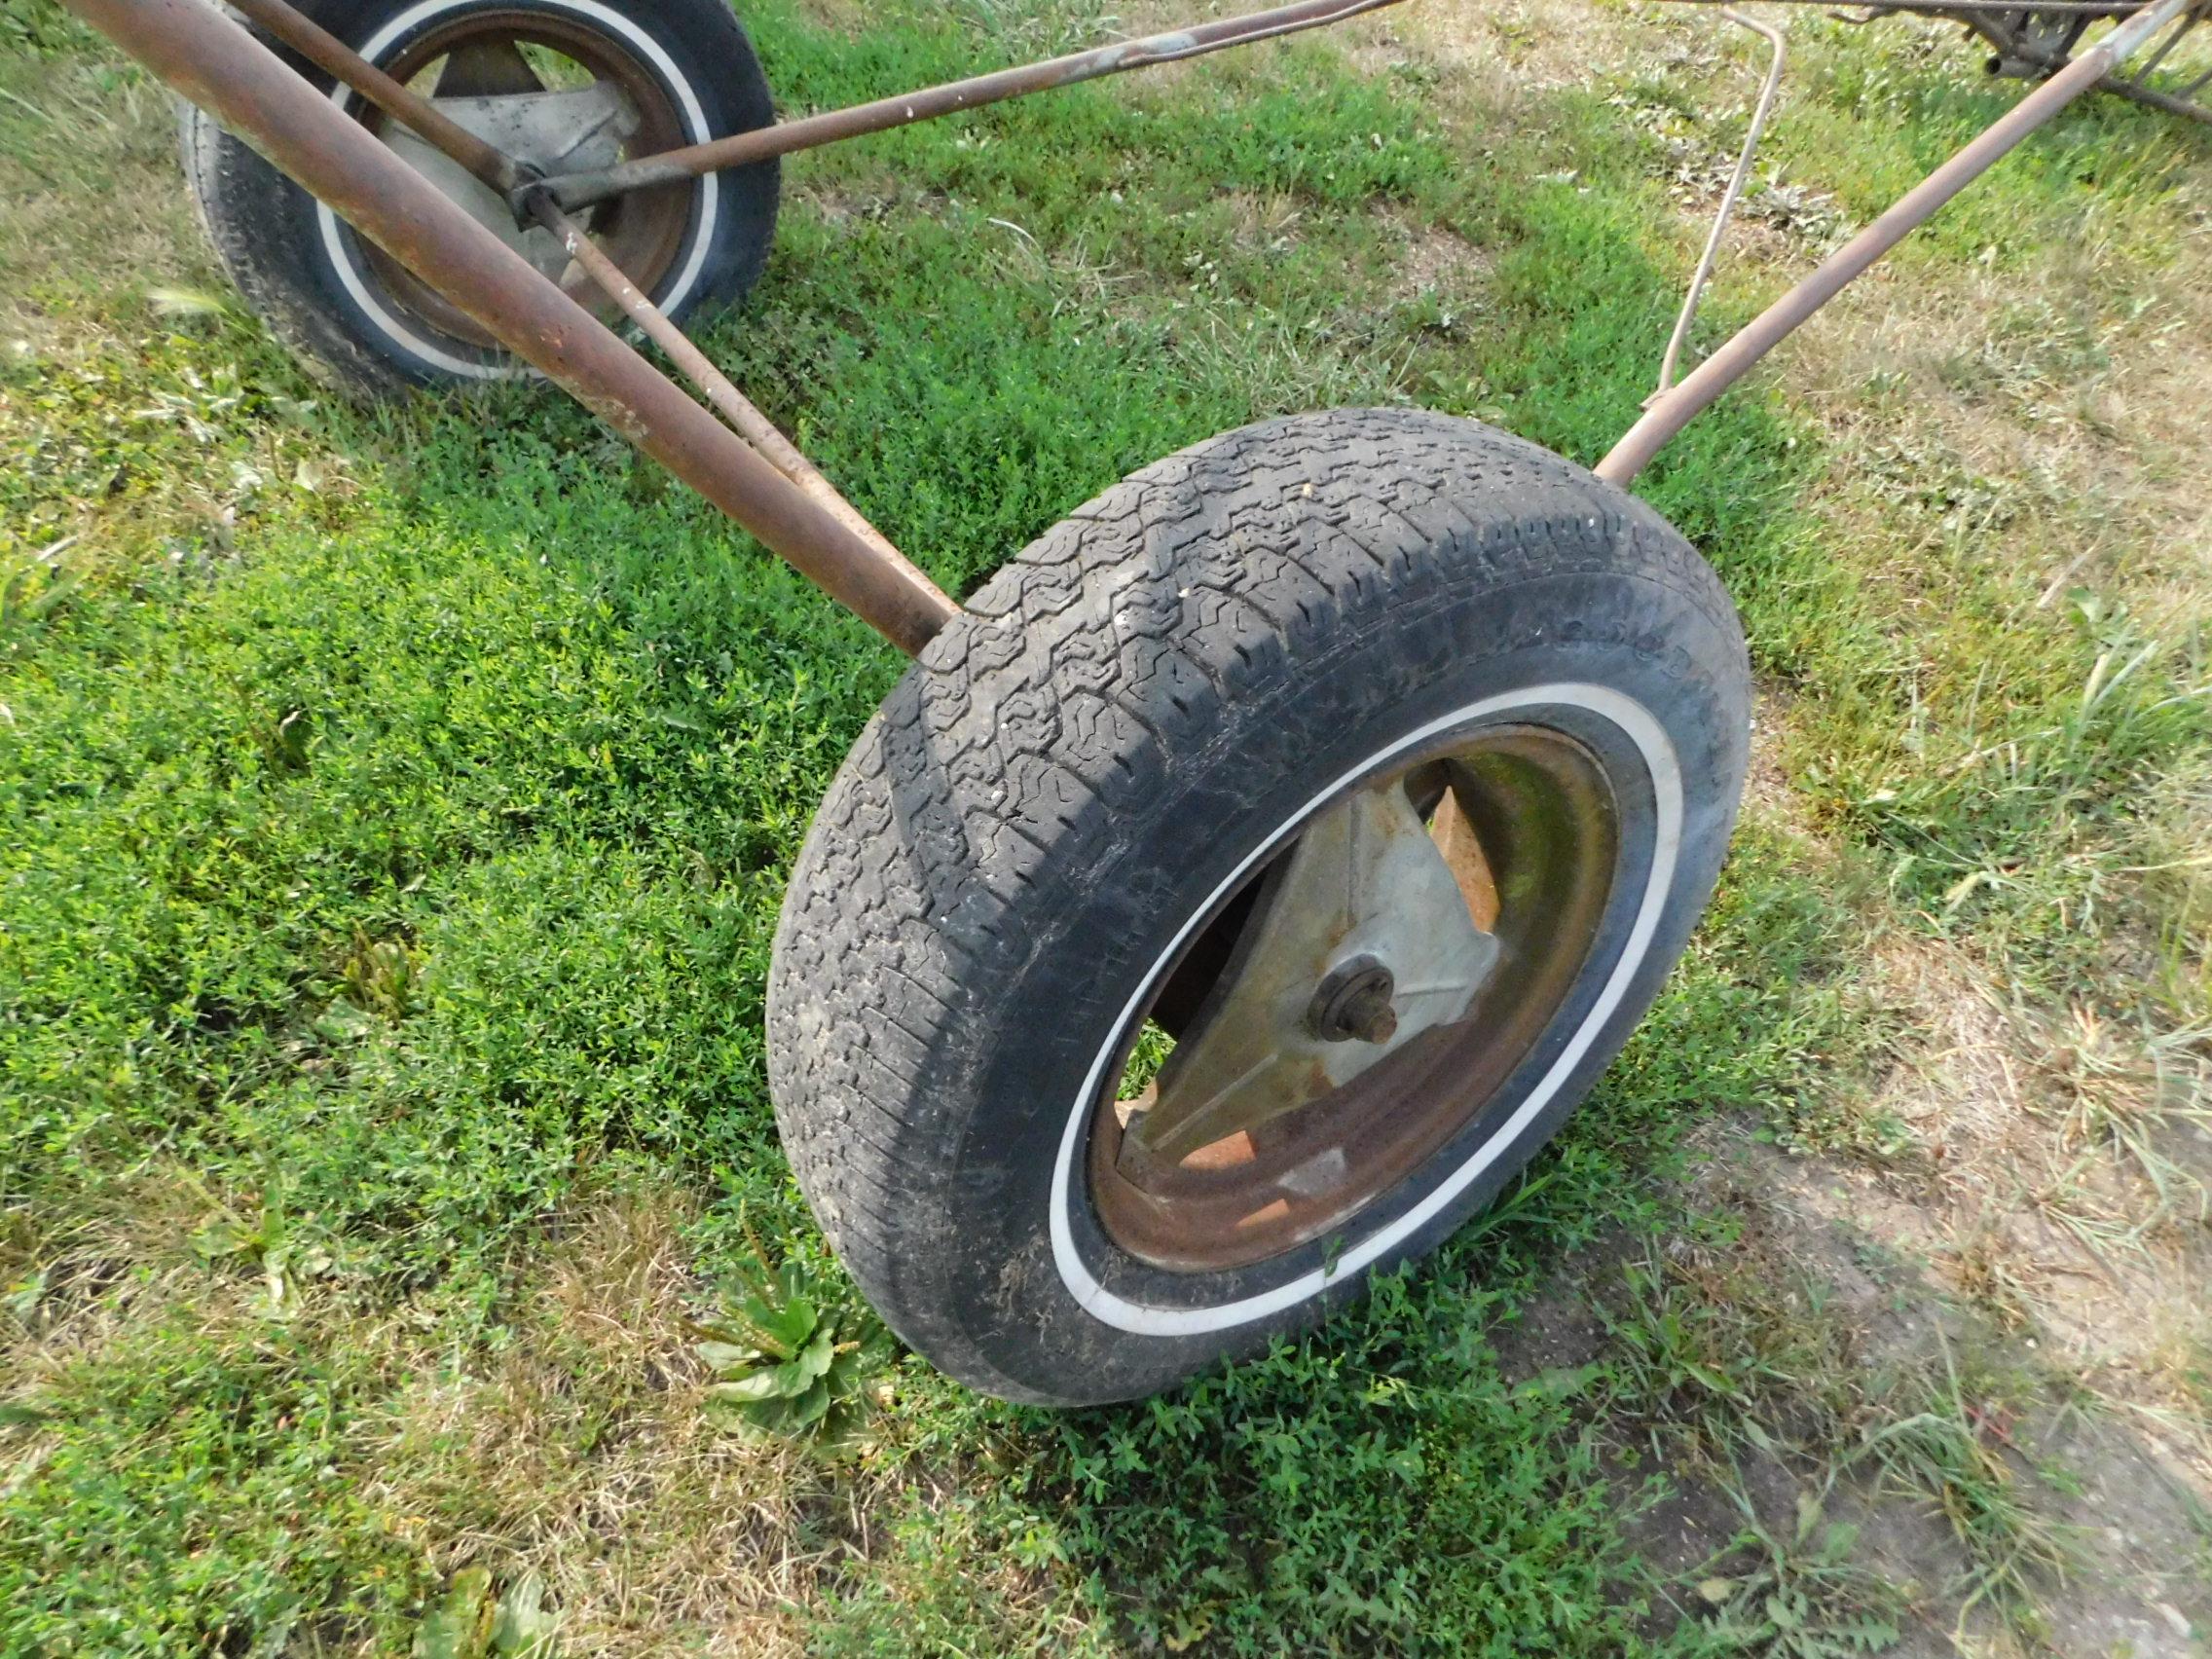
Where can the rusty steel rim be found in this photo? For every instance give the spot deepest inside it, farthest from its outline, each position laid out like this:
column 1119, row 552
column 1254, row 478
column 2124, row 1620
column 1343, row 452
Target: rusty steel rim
column 1357, row 1003
column 643, row 231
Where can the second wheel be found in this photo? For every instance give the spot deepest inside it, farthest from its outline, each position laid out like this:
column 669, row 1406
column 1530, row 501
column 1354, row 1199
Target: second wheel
column 560, row 85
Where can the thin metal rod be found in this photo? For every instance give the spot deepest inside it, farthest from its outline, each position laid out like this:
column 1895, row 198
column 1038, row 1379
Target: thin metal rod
column 1733, row 360
column 2174, row 38
column 1774, row 38
column 1953, row 7
column 216, row 64
column 2173, row 103
column 578, row 189
column 419, row 115
column 755, row 428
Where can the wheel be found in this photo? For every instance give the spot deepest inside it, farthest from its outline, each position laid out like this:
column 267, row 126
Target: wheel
column 1244, row 888
column 567, row 85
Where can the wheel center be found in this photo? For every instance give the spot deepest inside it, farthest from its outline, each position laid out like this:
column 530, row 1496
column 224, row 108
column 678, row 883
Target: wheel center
column 1363, row 940
column 1353, row 1003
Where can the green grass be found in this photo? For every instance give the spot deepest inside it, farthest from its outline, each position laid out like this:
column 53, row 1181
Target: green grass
column 394, row 807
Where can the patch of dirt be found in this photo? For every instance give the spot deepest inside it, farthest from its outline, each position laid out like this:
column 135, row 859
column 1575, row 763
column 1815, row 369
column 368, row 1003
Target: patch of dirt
column 2126, row 1500
column 848, row 203
column 1434, row 258
column 2010, row 1203
column 1559, row 1328
column 2131, row 1507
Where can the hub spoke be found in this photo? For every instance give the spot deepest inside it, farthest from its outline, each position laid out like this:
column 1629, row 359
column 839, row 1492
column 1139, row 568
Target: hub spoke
column 1364, row 938
column 487, row 68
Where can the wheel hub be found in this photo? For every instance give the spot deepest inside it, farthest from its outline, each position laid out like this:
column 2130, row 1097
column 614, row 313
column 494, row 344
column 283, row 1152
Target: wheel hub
column 557, row 96
column 1311, row 1003
column 1354, row 1004
column 571, row 130
column 1358, row 1000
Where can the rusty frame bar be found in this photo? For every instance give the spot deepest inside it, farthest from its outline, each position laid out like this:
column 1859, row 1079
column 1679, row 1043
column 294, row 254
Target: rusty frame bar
column 335, row 59
column 772, row 491
column 732, row 405
column 217, row 64
column 571, row 191
column 578, row 189
column 1989, row 18
column 2136, row 88
column 1670, row 414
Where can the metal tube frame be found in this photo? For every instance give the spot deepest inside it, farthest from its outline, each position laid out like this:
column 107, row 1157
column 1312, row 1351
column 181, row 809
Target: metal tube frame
column 1674, row 410
column 577, row 190
column 746, row 466
column 422, row 117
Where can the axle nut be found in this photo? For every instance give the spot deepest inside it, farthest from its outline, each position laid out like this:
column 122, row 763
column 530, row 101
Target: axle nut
column 1354, row 1004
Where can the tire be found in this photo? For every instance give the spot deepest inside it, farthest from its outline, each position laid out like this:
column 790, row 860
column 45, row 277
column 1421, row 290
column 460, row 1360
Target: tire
column 1133, row 716
column 340, row 306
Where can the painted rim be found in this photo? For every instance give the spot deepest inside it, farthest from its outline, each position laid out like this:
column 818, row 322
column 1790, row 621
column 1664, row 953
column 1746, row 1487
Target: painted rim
column 1527, row 826
column 1650, row 741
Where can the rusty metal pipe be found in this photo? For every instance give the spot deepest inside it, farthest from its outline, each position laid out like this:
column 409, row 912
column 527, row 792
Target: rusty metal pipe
column 755, row 428
column 342, row 63
column 579, row 190
column 218, row 65
column 2172, row 103
column 1732, row 361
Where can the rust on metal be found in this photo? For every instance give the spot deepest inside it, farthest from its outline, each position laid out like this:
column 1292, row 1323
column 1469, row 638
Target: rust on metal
column 580, row 189
column 214, row 62
column 1365, row 899
column 1385, row 980
column 2035, row 38
column 731, row 404
column 419, row 115
column 1357, row 1003
column 1668, row 416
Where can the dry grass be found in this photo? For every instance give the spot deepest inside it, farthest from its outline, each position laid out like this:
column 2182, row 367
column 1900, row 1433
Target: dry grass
column 580, row 1452
column 2038, row 1186
column 86, row 139
column 1518, row 50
